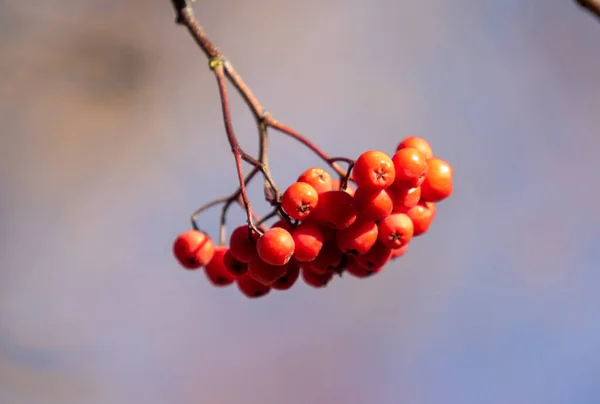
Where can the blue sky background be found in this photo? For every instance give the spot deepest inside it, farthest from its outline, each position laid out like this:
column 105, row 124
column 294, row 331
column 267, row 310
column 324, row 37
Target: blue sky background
column 112, row 136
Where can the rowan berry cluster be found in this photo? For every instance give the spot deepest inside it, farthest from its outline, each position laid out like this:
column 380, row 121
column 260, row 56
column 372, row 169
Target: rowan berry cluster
column 355, row 224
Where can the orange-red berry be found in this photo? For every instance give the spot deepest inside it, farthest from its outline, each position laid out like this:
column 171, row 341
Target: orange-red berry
column 284, row 224
column 358, row 238
column 335, row 209
column 404, row 198
column 242, row 243
column 328, row 260
column 318, row 178
column 374, row 205
column 410, row 166
column 421, row 215
column 290, row 277
column 418, row 143
column 308, row 241
column 314, row 279
column 299, row 200
column 373, row 170
column 215, row 270
column 354, row 269
column 193, row 249
column 437, row 185
column 376, row 257
column 399, row 252
column 250, row 287
column 396, row 230
column 265, row 273
column 234, row 266
column 276, row 246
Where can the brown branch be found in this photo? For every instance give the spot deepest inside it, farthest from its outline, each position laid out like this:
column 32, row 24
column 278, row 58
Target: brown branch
column 593, row 6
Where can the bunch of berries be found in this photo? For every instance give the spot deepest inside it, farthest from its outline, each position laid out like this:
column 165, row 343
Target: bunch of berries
column 329, row 226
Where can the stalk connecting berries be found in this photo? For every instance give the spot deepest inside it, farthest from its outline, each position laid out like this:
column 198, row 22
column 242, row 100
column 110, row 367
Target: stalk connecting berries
column 320, row 229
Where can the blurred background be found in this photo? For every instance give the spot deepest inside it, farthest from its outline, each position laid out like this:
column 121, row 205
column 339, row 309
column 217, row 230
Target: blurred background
column 111, row 135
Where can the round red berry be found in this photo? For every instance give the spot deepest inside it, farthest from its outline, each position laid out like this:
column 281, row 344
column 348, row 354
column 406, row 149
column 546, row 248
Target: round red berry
column 437, row 185
column 396, row 230
column 399, row 252
column 215, row 270
column 335, row 209
column 193, row 249
column 357, row 271
column 404, row 198
column 358, row 238
column 234, row 266
column 308, row 241
column 418, row 143
column 242, row 243
column 314, row 279
column 410, row 166
column 376, row 257
column 422, row 216
column 374, row 205
column 290, row 277
column 299, row 200
column 284, row 224
column 318, row 178
column 265, row 273
column 328, row 260
column 276, row 246
column 373, row 170
column 250, row 287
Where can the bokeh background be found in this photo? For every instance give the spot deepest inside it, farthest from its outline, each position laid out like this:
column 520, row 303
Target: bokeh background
column 111, row 135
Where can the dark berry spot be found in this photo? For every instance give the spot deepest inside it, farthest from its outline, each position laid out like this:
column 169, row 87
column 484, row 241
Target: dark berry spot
column 353, row 251
column 283, row 279
column 221, row 280
column 258, row 293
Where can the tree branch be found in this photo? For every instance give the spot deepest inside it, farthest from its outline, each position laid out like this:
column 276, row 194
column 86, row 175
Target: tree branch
column 593, row 6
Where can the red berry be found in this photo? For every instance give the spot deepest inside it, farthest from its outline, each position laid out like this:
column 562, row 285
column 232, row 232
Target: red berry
column 356, row 270
column 234, row 266
column 276, row 246
column 299, row 200
column 250, row 287
column 374, row 205
column 193, row 249
column 265, row 273
column 316, row 280
column 396, row 230
column 376, row 257
column 335, row 209
column 308, row 241
column 318, row 178
column 410, row 166
column 284, row 224
column 216, row 271
column 399, row 252
column 421, row 215
column 291, row 276
column 404, row 198
column 328, row 260
column 437, row 185
column 242, row 244
column 373, row 170
column 358, row 238
column 418, row 143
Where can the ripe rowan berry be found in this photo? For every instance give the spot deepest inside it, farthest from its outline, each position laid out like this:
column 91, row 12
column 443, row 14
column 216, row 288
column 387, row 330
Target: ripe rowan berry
column 284, row 224
column 314, row 279
column 308, row 241
column 437, row 185
column 418, row 143
column 399, row 252
column 396, row 230
column 318, row 178
column 250, row 287
column 356, row 270
column 242, row 243
column 215, row 270
column 422, row 216
column 328, row 260
column 335, row 209
column 299, row 200
column 290, row 277
column 193, row 249
column 234, row 266
column 358, row 238
column 410, row 166
column 373, row 170
column 404, row 198
column 265, row 273
column 376, row 257
column 374, row 205
column 276, row 246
